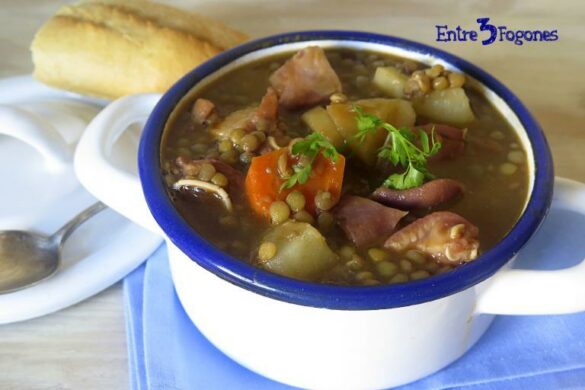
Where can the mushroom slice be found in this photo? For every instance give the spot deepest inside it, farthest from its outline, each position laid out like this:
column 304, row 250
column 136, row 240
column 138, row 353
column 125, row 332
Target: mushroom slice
column 209, row 187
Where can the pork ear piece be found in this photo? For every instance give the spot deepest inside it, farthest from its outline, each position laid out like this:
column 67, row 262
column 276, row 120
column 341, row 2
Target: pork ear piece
column 445, row 236
column 365, row 221
column 305, row 79
column 428, row 195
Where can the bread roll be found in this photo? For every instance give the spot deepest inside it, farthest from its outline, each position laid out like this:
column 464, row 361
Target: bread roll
column 110, row 48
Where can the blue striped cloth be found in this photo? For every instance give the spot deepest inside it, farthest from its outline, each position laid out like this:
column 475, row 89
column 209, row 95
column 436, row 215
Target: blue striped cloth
column 167, row 352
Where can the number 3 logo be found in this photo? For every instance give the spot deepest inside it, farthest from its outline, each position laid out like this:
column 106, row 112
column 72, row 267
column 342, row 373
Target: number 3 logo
column 485, row 26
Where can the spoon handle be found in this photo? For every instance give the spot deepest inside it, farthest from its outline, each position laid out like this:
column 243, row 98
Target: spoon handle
column 62, row 234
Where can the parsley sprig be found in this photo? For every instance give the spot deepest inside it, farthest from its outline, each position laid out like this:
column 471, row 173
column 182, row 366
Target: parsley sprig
column 310, row 147
column 400, row 149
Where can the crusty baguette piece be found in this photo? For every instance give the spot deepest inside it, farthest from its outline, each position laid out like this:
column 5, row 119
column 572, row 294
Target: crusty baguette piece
column 112, row 48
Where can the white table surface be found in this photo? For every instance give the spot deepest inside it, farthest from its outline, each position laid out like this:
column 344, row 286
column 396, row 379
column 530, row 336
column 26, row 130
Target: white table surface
column 84, row 347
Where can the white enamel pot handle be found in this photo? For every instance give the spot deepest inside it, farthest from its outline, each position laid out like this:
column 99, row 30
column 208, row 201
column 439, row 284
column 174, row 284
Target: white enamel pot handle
column 516, row 291
column 116, row 187
column 38, row 133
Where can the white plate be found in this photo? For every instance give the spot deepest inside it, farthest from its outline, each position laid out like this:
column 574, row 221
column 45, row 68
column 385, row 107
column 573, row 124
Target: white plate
column 34, row 197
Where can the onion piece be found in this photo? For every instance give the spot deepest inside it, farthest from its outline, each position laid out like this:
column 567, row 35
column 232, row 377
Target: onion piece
column 272, row 142
column 209, row 187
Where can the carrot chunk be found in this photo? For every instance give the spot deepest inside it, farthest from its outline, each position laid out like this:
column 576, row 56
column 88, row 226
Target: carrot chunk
column 264, row 185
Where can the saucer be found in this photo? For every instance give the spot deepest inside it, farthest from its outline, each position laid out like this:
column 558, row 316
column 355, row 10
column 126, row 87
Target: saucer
column 40, row 197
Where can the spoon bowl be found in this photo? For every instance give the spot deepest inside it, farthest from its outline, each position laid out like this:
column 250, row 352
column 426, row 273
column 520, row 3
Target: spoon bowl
column 26, row 258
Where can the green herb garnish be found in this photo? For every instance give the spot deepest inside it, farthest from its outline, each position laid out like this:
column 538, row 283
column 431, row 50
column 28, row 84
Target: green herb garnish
column 400, row 149
column 310, row 147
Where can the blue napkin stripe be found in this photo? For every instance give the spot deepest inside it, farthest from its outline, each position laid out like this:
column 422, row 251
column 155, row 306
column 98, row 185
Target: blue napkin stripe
column 133, row 305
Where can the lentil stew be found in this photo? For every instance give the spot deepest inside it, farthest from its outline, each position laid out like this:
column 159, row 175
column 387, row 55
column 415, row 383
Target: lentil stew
column 345, row 167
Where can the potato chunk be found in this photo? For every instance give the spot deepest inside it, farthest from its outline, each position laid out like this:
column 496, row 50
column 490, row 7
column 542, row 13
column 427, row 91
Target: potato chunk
column 449, row 106
column 394, row 111
column 301, row 251
column 390, row 80
column 403, row 115
column 320, row 122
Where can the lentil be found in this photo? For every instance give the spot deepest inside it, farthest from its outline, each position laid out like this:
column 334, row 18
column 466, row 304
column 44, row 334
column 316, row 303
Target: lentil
column 249, row 143
column 440, row 83
column 237, row 135
column 415, row 256
column 362, row 82
column 325, row 221
column 399, row 278
column 417, row 275
column 260, row 135
column 279, row 212
column 435, row 70
column 346, row 252
column 497, row 135
column 377, row 254
column 206, row 171
column 185, row 152
column 225, row 146
column 230, row 157
column 199, row 149
column 356, row 263
column 296, row 201
column 304, row 216
column 508, row 169
column 324, row 201
column 219, row 179
column 363, row 275
column 516, row 156
column 183, row 141
column 267, row 251
column 456, row 80
column 386, row 269
column 431, row 266
column 405, row 265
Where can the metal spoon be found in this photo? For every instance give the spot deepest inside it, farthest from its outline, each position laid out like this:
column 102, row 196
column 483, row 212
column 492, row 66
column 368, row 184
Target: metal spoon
column 27, row 258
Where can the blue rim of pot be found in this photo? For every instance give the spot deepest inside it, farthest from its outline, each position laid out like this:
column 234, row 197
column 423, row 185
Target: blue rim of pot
column 304, row 293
